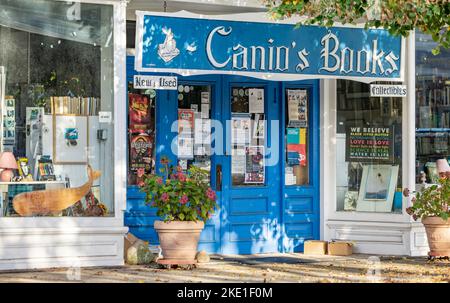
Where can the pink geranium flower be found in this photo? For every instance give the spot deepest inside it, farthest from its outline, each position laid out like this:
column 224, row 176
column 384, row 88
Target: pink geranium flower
column 181, row 177
column 184, row 199
column 165, row 197
column 210, row 194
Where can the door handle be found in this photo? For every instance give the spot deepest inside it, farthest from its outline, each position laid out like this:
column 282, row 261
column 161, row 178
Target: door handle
column 218, row 177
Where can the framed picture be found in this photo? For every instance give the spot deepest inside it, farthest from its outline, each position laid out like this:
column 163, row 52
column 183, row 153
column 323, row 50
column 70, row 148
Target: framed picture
column 377, row 189
column 70, row 139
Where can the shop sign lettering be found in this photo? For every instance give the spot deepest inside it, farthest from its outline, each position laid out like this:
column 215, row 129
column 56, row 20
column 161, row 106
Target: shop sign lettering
column 265, row 50
column 387, row 90
column 155, row 82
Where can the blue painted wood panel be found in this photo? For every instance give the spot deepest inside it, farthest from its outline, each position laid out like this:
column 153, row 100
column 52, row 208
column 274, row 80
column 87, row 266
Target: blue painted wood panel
column 269, row 218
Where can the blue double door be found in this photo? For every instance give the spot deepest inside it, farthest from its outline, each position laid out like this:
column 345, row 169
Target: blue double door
column 260, row 209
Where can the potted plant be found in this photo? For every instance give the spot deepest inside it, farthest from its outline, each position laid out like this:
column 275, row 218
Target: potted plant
column 184, row 202
column 431, row 205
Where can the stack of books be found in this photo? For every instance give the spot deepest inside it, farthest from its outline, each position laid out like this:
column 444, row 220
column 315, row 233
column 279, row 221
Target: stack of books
column 81, row 106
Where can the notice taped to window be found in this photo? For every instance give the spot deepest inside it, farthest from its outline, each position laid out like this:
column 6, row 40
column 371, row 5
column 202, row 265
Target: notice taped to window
column 369, row 144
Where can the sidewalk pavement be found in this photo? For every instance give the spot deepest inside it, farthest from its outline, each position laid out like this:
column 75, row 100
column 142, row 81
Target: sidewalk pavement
column 270, row 268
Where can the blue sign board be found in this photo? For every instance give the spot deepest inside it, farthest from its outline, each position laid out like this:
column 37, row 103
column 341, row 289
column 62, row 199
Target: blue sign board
column 189, row 45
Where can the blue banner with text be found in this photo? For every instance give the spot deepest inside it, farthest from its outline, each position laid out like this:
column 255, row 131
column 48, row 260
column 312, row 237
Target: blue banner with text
column 193, row 46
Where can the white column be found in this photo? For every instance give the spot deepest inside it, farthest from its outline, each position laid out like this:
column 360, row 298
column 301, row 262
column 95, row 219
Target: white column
column 328, row 127
column 417, row 237
column 120, row 108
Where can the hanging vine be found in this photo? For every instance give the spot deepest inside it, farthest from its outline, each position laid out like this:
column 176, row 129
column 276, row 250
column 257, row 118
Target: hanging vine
column 399, row 17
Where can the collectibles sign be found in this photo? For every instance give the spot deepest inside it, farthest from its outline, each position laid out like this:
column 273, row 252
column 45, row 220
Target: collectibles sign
column 186, row 44
column 366, row 144
column 387, row 90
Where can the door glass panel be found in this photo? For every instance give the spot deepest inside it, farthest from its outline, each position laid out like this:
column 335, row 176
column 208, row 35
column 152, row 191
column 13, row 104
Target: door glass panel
column 141, row 133
column 194, row 126
column 248, row 136
column 297, row 137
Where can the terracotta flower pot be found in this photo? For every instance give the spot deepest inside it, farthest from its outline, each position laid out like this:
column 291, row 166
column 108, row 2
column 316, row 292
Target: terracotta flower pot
column 179, row 239
column 438, row 234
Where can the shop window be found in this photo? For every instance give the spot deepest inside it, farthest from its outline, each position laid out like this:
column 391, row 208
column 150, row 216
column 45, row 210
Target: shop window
column 194, row 126
column 141, row 134
column 432, row 107
column 248, row 131
column 297, row 137
column 57, row 131
column 368, row 150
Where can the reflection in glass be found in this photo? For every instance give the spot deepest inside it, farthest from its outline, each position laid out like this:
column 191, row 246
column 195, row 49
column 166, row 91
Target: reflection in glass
column 368, row 150
column 56, row 70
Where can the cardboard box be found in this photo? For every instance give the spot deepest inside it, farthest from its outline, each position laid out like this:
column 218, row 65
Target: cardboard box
column 340, row 248
column 315, row 247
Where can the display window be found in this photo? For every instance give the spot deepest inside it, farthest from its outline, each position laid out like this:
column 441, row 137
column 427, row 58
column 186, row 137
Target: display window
column 57, row 109
column 368, row 150
column 432, row 108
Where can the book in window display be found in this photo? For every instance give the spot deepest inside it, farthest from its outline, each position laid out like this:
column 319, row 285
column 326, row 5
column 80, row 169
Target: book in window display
column 24, row 170
column 45, row 169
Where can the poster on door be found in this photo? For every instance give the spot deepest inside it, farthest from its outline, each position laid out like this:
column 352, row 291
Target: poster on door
column 296, row 146
column 240, row 129
column 185, row 147
column 141, row 150
column 139, row 111
column 256, row 100
column 254, row 165
column 186, row 118
column 297, row 108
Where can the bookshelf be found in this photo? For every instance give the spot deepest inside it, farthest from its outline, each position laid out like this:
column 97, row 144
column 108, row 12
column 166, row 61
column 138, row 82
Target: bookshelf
column 432, row 121
column 77, row 106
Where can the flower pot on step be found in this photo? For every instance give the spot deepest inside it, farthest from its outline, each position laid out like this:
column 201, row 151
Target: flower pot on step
column 438, row 234
column 179, row 240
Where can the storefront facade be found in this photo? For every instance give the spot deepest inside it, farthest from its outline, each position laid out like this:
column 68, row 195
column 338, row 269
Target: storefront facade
column 317, row 195
column 282, row 139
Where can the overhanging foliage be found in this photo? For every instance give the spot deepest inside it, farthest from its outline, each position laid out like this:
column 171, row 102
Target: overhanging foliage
column 399, row 17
